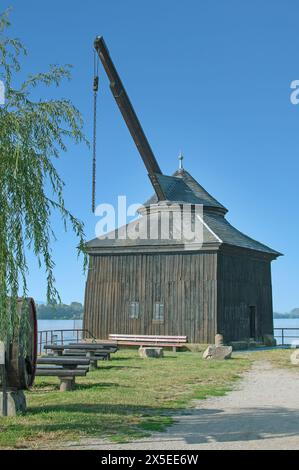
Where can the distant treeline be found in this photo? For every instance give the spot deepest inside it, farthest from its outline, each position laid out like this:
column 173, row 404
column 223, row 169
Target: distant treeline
column 74, row 311
column 293, row 314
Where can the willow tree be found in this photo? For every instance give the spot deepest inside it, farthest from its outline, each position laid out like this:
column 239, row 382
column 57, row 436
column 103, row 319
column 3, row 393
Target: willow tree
column 33, row 133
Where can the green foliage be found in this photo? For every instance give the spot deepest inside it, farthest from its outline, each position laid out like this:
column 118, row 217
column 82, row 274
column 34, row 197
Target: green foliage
column 60, row 311
column 292, row 314
column 32, row 135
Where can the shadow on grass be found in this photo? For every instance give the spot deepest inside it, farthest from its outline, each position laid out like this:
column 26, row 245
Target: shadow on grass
column 167, row 357
column 99, row 386
column 100, row 409
column 116, row 358
column 120, row 423
column 137, row 358
column 117, row 367
column 47, row 387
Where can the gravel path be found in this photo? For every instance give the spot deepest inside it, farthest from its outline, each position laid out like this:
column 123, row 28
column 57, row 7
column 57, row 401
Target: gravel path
column 262, row 413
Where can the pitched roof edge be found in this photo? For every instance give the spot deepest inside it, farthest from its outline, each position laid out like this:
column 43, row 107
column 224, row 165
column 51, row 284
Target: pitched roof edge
column 241, row 249
column 148, row 249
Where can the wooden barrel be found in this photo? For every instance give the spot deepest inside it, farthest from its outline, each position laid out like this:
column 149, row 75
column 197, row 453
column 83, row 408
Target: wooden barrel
column 22, row 352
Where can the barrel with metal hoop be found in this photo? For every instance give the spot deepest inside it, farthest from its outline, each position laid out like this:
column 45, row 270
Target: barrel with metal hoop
column 22, row 350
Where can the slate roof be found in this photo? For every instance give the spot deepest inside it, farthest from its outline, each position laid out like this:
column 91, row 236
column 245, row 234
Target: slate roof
column 231, row 236
column 181, row 186
column 216, row 230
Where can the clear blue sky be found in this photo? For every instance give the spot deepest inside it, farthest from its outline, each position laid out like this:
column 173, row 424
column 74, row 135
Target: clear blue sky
column 209, row 77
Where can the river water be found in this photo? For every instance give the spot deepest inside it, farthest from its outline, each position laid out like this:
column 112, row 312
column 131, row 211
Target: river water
column 77, row 324
column 59, row 325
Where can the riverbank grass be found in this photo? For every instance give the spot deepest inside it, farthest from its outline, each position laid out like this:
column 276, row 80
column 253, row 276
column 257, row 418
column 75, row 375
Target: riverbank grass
column 126, row 398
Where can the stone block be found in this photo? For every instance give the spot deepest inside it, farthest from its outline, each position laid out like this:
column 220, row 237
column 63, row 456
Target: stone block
column 217, row 352
column 150, row 352
column 67, row 384
column 295, row 357
column 219, row 341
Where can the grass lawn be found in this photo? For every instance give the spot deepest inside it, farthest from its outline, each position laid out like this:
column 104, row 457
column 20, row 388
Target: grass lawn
column 125, row 399
column 278, row 357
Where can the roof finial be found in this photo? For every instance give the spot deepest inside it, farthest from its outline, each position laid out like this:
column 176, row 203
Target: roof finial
column 181, row 158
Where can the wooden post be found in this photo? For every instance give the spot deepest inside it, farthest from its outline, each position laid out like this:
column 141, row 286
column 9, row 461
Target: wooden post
column 219, row 341
column 93, row 360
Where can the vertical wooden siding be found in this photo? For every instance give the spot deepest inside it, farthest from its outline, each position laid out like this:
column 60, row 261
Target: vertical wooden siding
column 186, row 284
column 243, row 281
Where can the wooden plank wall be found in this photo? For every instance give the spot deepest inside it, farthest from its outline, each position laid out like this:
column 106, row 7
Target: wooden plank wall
column 244, row 281
column 185, row 282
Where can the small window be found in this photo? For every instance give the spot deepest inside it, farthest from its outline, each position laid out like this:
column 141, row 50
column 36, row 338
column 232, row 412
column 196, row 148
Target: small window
column 134, row 310
column 158, row 314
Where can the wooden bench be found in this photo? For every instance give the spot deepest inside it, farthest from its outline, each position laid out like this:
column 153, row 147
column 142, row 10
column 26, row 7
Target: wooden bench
column 149, row 340
column 101, row 349
column 65, row 368
column 93, row 351
column 100, row 356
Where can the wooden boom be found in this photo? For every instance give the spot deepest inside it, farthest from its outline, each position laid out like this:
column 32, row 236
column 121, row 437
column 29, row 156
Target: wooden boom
column 130, row 116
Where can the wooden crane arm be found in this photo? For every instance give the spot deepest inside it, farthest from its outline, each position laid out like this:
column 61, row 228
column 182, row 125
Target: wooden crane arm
column 130, row 116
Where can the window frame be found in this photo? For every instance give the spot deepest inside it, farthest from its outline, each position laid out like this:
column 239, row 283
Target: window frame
column 134, row 309
column 160, row 317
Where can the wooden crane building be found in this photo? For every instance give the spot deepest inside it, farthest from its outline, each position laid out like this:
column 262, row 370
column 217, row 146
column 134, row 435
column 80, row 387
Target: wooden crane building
column 158, row 286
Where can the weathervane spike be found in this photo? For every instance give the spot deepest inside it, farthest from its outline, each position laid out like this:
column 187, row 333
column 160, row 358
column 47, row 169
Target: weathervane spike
column 181, row 158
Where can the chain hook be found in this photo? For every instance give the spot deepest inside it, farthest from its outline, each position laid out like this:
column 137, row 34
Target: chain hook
column 95, row 90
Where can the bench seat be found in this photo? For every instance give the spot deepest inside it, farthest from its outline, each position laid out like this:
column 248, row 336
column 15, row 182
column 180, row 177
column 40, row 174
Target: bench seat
column 150, row 343
column 65, row 368
column 60, row 372
column 93, row 351
column 81, row 352
column 149, row 340
column 65, row 361
column 93, row 356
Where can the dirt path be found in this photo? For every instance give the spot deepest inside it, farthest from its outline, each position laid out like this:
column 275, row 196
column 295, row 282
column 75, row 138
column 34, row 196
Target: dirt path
column 261, row 413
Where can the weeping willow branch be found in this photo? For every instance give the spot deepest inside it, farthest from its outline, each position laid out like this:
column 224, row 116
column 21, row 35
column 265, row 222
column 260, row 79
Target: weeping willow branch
column 32, row 135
